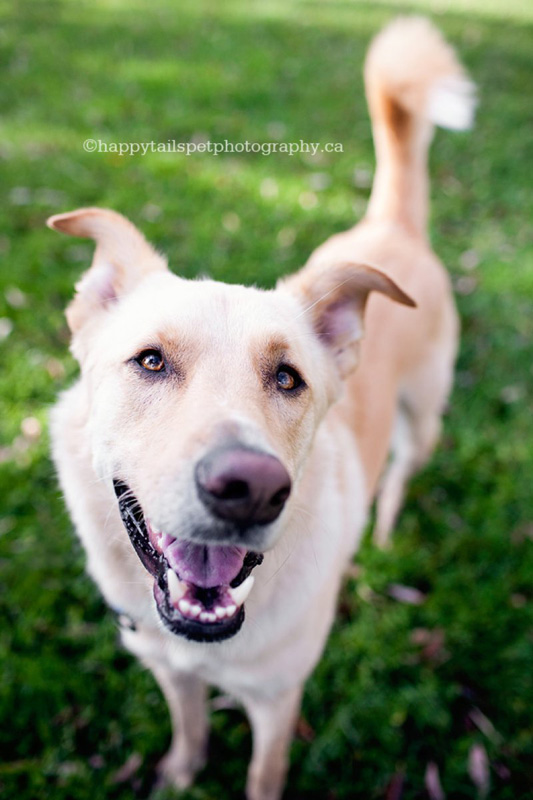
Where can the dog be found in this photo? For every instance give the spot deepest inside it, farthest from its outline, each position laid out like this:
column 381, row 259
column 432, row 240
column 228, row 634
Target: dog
column 223, row 445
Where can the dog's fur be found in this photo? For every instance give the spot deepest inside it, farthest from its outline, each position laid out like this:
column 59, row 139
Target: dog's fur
column 223, row 345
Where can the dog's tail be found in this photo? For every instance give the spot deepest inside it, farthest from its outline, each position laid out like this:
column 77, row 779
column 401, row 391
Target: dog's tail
column 413, row 81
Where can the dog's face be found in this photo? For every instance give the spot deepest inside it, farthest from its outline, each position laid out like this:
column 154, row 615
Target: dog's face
column 204, row 399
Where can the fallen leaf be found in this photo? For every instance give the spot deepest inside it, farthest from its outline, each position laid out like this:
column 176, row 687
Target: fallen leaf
column 304, row 730
column 128, row 769
column 353, row 571
column 432, row 643
column 485, row 726
column 478, row 769
column 395, row 787
column 406, row 594
column 512, row 394
column 432, row 782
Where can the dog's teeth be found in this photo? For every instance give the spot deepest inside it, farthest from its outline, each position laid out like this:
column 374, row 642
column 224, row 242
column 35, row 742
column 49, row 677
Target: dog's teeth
column 230, row 610
column 220, row 612
column 176, row 588
column 156, row 538
column 208, row 616
column 195, row 610
column 240, row 593
column 184, row 606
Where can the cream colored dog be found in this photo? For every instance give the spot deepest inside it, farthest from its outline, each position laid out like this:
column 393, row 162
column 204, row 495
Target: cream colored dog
column 218, row 451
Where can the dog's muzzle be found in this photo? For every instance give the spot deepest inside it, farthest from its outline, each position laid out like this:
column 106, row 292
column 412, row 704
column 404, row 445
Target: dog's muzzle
column 200, row 589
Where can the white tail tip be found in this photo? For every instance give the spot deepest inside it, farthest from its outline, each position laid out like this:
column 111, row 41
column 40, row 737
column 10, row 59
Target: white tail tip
column 452, row 103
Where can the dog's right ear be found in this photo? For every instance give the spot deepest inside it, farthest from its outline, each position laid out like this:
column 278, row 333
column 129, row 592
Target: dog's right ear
column 121, row 260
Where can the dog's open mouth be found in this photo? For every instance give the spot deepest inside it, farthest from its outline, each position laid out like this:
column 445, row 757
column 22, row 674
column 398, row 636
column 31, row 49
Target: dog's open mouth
column 199, row 589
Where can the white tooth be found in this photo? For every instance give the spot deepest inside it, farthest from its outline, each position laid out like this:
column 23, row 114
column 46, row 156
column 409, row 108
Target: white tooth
column 195, row 610
column 184, row 606
column 241, row 592
column 230, row 610
column 211, row 616
column 176, row 588
column 220, row 612
column 204, row 616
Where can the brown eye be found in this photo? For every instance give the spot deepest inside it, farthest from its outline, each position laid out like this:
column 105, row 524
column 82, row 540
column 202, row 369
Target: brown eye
column 151, row 360
column 287, row 378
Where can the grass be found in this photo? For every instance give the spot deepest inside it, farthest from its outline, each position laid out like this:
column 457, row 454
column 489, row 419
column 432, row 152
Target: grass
column 400, row 686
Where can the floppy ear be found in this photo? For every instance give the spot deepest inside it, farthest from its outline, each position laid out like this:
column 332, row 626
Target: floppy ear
column 334, row 297
column 121, row 260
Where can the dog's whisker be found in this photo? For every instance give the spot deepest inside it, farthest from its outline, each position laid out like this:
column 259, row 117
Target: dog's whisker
column 294, row 544
column 131, row 583
column 100, row 479
column 112, row 508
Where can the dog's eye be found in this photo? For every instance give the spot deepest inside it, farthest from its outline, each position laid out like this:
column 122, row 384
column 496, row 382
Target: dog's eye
column 287, row 378
column 151, row 360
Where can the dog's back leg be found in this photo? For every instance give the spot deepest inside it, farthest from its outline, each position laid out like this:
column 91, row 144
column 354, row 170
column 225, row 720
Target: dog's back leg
column 393, row 484
column 423, row 399
column 186, row 698
column 413, row 440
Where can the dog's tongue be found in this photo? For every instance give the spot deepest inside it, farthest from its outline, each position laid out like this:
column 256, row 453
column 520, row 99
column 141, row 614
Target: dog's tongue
column 204, row 565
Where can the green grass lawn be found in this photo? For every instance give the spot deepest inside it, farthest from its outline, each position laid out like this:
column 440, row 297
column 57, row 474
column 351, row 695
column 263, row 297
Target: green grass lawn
column 400, row 686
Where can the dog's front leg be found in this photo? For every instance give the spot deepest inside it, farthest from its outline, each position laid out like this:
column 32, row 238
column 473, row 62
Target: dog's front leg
column 186, row 698
column 273, row 720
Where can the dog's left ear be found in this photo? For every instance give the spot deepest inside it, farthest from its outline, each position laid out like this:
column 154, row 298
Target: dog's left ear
column 334, row 297
column 121, row 260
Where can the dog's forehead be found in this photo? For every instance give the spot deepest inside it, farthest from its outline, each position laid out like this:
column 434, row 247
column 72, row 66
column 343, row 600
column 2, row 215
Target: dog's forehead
column 169, row 306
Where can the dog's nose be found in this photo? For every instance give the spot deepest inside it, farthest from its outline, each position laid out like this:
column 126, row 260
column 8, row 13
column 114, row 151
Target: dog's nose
column 242, row 485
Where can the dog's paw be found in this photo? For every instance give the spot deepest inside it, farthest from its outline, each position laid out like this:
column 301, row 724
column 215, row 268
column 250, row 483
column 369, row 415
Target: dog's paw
column 263, row 788
column 178, row 770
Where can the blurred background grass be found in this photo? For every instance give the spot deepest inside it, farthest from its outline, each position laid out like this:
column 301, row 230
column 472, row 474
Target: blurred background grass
column 446, row 680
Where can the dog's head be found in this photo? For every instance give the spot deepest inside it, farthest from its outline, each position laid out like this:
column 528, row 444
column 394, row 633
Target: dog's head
column 204, row 400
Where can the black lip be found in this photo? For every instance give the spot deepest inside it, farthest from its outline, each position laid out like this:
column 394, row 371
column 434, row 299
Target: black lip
column 190, row 629
column 203, row 631
column 251, row 560
column 133, row 519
